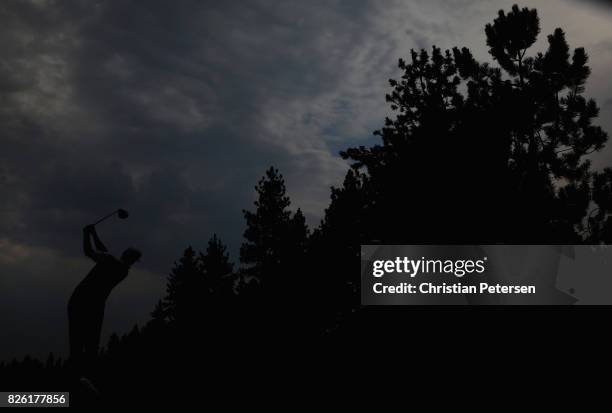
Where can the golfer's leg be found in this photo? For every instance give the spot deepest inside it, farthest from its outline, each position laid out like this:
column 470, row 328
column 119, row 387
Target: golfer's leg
column 92, row 340
column 76, row 340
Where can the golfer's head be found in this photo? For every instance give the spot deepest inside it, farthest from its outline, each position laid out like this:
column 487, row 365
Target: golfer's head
column 130, row 256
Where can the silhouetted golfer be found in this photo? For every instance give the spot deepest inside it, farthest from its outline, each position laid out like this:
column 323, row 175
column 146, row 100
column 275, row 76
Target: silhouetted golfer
column 86, row 305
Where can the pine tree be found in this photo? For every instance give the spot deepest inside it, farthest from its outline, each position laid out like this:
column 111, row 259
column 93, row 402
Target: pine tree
column 298, row 234
column 217, row 272
column 343, row 222
column 334, row 245
column 182, row 304
column 274, row 237
column 158, row 315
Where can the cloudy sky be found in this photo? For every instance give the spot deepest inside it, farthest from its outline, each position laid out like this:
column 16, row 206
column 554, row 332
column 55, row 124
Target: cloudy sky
column 173, row 110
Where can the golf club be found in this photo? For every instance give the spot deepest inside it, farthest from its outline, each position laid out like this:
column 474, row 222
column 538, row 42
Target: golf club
column 121, row 213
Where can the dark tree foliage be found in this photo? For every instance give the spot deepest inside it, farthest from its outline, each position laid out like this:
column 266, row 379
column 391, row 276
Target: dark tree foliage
column 198, row 287
column 217, row 273
column 273, row 254
column 485, row 154
column 275, row 238
column 335, row 250
column 599, row 223
column 158, row 315
column 183, row 290
column 217, row 291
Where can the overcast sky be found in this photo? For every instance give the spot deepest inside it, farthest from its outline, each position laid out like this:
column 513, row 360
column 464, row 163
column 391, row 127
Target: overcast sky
column 173, row 110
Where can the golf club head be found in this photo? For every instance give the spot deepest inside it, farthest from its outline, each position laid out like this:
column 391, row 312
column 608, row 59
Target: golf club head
column 121, row 213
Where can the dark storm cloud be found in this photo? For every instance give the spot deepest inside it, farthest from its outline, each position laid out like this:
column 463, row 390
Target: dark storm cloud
column 173, row 110
column 160, row 108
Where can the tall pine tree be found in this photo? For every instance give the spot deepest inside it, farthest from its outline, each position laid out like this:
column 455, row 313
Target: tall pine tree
column 275, row 238
column 217, row 273
column 182, row 304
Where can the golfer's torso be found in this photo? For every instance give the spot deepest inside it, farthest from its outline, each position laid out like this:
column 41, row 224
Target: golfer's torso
column 97, row 285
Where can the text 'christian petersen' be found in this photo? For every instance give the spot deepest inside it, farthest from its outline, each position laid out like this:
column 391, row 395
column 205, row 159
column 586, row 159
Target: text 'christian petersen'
column 404, row 266
column 458, row 288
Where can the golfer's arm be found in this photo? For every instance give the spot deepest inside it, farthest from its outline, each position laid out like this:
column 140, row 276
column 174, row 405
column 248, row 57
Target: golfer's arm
column 99, row 245
column 87, row 249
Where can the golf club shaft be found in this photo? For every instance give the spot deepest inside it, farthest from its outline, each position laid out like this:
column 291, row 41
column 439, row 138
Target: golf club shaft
column 105, row 217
